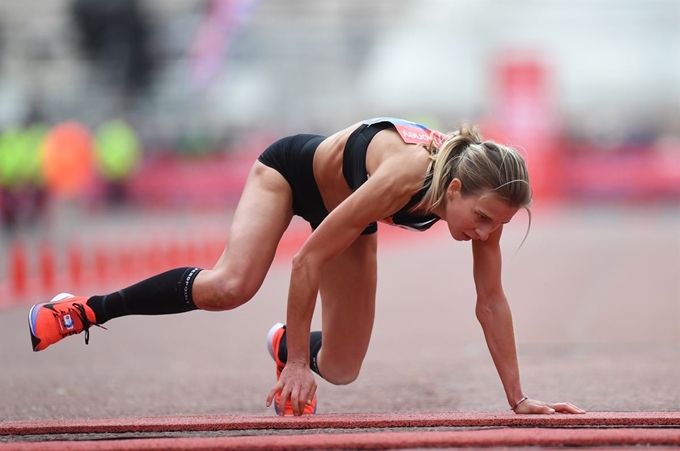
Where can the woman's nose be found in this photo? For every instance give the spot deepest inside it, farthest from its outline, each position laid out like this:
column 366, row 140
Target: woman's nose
column 484, row 231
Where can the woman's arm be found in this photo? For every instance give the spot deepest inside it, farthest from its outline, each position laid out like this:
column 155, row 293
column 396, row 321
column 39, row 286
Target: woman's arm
column 493, row 313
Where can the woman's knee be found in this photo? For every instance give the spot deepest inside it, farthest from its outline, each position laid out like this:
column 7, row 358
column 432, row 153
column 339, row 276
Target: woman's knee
column 338, row 373
column 216, row 292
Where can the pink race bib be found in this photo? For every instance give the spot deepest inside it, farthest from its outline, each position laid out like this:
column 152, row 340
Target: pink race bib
column 411, row 132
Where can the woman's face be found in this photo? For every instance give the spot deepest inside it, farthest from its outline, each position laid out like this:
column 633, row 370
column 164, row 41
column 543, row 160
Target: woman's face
column 475, row 217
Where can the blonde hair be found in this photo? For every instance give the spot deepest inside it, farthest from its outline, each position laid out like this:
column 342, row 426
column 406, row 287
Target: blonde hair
column 480, row 166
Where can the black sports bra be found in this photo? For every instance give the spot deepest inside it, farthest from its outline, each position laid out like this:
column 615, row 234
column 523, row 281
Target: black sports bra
column 355, row 173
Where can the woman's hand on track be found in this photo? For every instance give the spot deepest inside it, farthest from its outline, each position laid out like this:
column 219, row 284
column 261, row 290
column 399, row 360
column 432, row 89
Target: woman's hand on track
column 296, row 383
column 532, row 406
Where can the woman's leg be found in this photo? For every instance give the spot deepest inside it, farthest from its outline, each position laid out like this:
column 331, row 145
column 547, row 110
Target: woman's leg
column 348, row 289
column 263, row 214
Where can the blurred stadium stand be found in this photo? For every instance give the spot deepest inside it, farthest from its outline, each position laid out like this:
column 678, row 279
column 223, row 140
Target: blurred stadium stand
column 590, row 90
column 206, row 79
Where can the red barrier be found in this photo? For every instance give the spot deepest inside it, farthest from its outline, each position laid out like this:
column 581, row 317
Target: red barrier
column 126, row 262
column 100, row 264
column 192, row 255
column 46, row 267
column 103, row 267
column 17, row 268
column 154, row 258
column 173, row 256
column 75, row 265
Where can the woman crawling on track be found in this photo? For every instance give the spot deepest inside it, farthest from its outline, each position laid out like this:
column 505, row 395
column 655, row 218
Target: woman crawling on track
column 385, row 169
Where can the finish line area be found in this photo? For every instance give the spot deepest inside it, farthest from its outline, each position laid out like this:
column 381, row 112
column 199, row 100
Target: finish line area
column 349, row 431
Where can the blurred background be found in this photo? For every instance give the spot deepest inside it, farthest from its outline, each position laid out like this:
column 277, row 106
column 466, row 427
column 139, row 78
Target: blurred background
column 127, row 128
column 112, row 110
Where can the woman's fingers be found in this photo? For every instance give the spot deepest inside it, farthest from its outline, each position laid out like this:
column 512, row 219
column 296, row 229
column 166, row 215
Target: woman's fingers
column 565, row 407
column 293, row 392
column 285, row 394
column 278, row 386
column 531, row 406
column 295, row 386
column 303, row 397
column 298, row 399
column 546, row 409
column 311, row 394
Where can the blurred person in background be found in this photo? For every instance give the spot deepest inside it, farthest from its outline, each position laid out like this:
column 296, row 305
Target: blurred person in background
column 9, row 162
column 386, row 170
column 117, row 153
column 115, row 37
column 23, row 190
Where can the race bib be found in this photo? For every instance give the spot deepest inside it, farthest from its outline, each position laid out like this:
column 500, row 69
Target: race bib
column 411, row 132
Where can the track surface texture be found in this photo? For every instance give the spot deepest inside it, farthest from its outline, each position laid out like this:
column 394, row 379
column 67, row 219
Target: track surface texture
column 595, row 294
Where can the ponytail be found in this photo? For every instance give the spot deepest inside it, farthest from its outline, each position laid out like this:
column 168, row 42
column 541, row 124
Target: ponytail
column 480, row 166
column 445, row 162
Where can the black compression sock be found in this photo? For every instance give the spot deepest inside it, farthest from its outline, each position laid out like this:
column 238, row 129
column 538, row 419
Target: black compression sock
column 314, row 348
column 166, row 293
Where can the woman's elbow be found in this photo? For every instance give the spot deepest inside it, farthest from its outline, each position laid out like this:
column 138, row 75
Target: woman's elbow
column 484, row 313
column 489, row 308
column 303, row 262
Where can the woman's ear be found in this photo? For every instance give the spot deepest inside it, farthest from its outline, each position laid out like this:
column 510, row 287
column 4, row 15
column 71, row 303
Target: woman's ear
column 453, row 188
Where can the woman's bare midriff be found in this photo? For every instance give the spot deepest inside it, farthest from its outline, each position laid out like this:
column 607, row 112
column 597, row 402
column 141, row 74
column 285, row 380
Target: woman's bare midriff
column 328, row 168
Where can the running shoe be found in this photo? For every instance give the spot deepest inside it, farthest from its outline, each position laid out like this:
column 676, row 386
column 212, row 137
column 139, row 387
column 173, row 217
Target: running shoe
column 273, row 343
column 64, row 315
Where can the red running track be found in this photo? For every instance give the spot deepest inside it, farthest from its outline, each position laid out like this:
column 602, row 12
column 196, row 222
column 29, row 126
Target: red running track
column 374, row 441
column 504, row 429
column 338, row 421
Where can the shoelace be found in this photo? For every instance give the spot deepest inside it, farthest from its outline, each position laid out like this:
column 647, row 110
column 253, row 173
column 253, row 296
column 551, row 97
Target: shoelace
column 82, row 314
